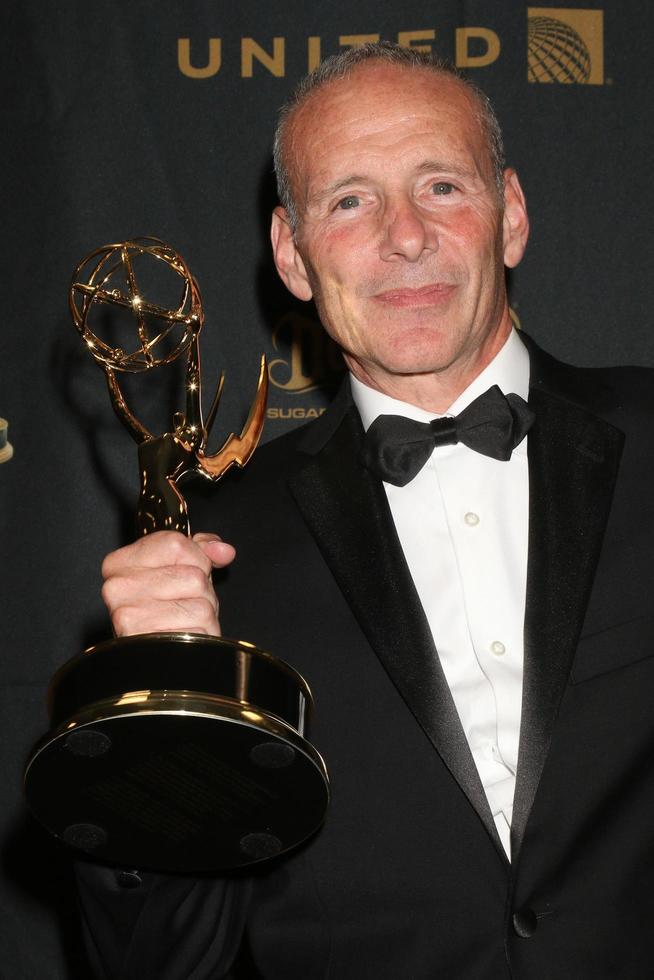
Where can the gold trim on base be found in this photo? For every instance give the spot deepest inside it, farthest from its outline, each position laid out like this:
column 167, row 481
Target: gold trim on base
column 184, row 704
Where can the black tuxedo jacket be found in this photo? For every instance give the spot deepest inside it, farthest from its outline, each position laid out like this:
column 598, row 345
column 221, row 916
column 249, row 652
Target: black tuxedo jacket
column 407, row 878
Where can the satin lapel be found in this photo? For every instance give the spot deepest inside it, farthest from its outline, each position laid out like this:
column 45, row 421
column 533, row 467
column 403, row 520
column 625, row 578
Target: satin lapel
column 347, row 511
column 573, row 463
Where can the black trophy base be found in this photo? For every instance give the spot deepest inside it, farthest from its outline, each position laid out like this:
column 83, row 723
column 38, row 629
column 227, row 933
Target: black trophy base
column 209, row 775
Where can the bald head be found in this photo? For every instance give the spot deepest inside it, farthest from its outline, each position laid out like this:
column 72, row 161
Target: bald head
column 337, row 69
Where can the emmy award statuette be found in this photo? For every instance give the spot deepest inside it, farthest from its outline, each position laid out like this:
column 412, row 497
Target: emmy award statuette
column 172, row 751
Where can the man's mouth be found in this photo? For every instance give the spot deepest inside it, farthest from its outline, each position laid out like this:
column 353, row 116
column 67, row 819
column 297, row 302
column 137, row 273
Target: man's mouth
column 432, row 295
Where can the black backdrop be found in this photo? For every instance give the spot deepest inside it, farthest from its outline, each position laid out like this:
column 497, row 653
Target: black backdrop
column 126, row 118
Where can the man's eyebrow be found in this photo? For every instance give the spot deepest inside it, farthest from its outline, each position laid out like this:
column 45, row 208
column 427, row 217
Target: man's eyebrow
column 443, row 166
column 335, row 186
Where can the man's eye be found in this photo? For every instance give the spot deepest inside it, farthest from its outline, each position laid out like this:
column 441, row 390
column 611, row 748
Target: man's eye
column 442, row 187
column 348, row 202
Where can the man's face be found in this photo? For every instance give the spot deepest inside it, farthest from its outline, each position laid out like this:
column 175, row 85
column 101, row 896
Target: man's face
column 401, row 238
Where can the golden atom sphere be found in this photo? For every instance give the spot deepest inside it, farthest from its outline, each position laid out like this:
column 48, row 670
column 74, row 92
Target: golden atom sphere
column 109, row 277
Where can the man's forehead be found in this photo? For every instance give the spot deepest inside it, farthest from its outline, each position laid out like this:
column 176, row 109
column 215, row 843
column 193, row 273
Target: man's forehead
column 371, row 97
column 376, row 82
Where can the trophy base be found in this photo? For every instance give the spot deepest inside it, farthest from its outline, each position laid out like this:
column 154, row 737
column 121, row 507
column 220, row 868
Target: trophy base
column 211, row 775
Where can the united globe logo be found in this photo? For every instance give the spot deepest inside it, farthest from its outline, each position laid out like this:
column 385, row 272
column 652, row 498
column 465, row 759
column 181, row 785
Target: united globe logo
column 555, row 52
column 565, row 46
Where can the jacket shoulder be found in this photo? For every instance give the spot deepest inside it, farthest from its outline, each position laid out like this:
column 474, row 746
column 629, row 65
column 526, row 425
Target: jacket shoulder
column 615, row 393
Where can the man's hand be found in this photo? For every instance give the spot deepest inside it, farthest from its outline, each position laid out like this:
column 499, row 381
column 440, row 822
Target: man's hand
column 162, row 583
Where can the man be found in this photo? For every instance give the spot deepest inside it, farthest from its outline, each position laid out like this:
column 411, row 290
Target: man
column 474, row 624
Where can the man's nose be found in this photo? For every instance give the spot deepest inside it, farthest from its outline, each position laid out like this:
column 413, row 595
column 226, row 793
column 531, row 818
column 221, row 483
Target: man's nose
column 407, row 233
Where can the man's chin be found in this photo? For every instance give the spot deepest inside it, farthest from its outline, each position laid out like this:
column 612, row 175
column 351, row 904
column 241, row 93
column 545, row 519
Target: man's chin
column 400, row 368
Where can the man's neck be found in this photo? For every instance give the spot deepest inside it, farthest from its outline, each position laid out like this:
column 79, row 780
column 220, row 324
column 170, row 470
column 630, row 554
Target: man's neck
column 437, row 390
column 509, row 370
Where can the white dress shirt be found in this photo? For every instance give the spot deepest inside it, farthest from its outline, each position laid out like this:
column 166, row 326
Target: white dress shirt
column 462, row 523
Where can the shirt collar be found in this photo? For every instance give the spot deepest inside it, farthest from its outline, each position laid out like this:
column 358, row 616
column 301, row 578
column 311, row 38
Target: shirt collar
column 509, row 369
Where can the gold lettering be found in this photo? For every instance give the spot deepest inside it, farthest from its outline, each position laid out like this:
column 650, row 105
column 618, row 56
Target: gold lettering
column 351, row 40
column 313, row 53
column 273, row 62
column 184, row 58
column 406, row 39
column 309, row 364
column 466, row 60
column 305, row 343
column 294, row 413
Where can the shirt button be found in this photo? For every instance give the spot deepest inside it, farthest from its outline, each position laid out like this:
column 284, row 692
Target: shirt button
column 471, row 519
column 128, row 879
column 498, row 648
column 525, row 923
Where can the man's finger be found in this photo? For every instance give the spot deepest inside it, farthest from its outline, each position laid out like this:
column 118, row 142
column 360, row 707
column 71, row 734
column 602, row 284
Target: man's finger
column 219, row 552
column 157, row 550
column 184, row 615
column 170, row 582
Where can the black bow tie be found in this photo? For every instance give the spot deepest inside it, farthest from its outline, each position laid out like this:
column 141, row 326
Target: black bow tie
column 397, row 448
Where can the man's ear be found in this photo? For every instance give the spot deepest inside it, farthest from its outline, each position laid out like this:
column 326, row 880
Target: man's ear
column 515, row 226
column 288, row 260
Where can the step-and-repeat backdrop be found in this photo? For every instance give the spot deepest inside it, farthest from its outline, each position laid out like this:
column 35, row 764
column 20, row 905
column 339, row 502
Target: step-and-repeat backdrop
column 155, row 118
